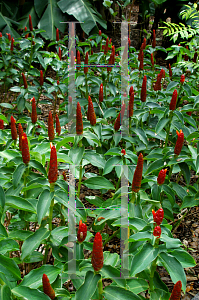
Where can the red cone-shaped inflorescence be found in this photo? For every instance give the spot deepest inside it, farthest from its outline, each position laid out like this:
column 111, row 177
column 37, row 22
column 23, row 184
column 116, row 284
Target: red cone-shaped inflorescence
column 25, row 149
column 186, row 58
column 195, row 56
column 51, row 132
column 82, row 232
column 170, row 71
column 110, row 62
column 157, row 231
column 123, row 151
column 9, row 36
column 140, row 52
column 30, row 23
column 13, row 128
column 12, row 44
column 152, row 60
column 60, row 54
column 154, row 39
column 78, row 60
column 137, row 177
column 1, row 35
column 97, row 259
column 119, row 119
column 27, row 35
column 24, row 81
column 144, row 43
column 173, row 102
column 176, row 292
column 101, row 93
column 100, row 32
column 157, row 86
column 179, row 142
column 34, row 111
column 20, row 131
column 47, row 288
column 131, row 104
column 129, row 41
column 1, row 124
column 57, row 35
column 158, row 216
column 161, row 176
column 106, row 46
column 141, row 66
column 113, row 54
column 86, row 63
column 131, row 90
column 58, row 127
column 182, row 78
column 79, row 122
column 91, row 112
column 41, row 78
column 143, row 90
column 52, row 173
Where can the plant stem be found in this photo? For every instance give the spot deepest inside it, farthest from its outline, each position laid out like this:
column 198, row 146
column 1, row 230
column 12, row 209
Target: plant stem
column 153, row 268
column 80, row 173
column 100, row 289
column 110, row 237
column 168, row 128
column 86, row 83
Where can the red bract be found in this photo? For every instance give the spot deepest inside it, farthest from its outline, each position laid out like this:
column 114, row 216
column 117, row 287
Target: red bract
column 152, row 60
column 113, row 53
column 186, row 58
column 1, row 35
column 170, row 71
column 144, row 43
column 143, row 90
column 157, row 86
column 82, row 232
column 131, row 104
column 141, row 66
column 30, row 23
column 123, row 151
column 97, row 259
column 91, row 113
column 101, row 93
column 79, row 122
column 58, row 127
column 60, row 55
column 129, row 41
column 106, row 46
column 47, row 288
column 57, row 82
column 179, row 142
column 86, row 63
column 154, row 39
column 13, row 128
column 1, row 124
column 158, row 216
column 9, row 36
column 24, row 81
column 119, row 119
column 110, row 62
column 157, row 231
column 182, row 79
column 140, row 52
column 78, row 60
column 20, row 131
column 34, row 111
column 173, row 100
column 176, row 292
column 137, row 177
column 100, row 32
column 12, row 44
column 52, row 173
column 51, row 133
column 41, row 78
column 161, row 176
column 131, row 90
column 57, row 35
column 25, row 149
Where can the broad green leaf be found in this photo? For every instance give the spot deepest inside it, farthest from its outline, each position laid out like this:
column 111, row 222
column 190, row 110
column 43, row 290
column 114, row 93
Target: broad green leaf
column 2, row 197
column 33, row 241
column 8, row 245
column 38, row 166
column 184, row 258
column 141, row 135
column 189, row 201
column 26, row 293
column 157, row 164
column 95, row 159
column 76, row 155
column 115, row 274
column 110, row 258
column 118, row 293
column 133, row 223
column 98, row 183
column 161, row 124
column 5, row 292
column 180, row 191
column 171, row 85
column 18, row 173
column 43, row 204
column 9, row 268
column 137, row 285
column 140, row 236
column 19, row 203
column 87, row 289
column 110, row 164
column 170, row 242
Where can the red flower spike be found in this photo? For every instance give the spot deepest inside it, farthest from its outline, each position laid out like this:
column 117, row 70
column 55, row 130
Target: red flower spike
column 78, row 60
column 57, row 82
column 182, row 79
column 91, row 113
column 97, row 259
column 123, row 152
column 101, row 93
column 186, row 58
column 129, row 41
column 113, row 51
column 1, row 35
column 13, row 128
column 9, row 36
column 161, row 176
column 86, row 63
column 51, row 133
column 170, row 71
column 157, row 86
column 119, row 119
column 20, row 131
column 157, row 231
column 131, row 90
column 60, row 54
column 100, row 32
column 106, row 46
column 30, row 23
column 173, row 102
column 79, row 122
column 24, row 81
column 154, row 39
column 12, row 44
column 176, row 292
column 144, row 43
column 57, row 35
column 141, row 66
column 1, row 124
column 82, row 232
column 110, row 41
column 140, row 52
column 34, row 111
column 41, row 78
column 179, row 142
column 143, row 90
column 158, row 216
column 131, row 104
column 58, row 127
column 152, row 60
column 52, row 173
column 137, row 177
column 25, row 149
column 47, row 288
column 27, row 35
column 110, row 62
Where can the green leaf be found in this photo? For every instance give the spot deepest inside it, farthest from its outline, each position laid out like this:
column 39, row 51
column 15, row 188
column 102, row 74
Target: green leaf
column 18, row 173
column 2, row 197
column 33, row 241
column 110, row 164
column 174, row 268
column 157, row 164
column 38, row 166
column 171, row 85
column 118, row 293
column 95, row 159
column 184, row 258
column 8, row 245
column 98, row 183
column 43, row 204
column 111, row 272
column 89, row 286
column 170, row 242
column 76, row 155
column 5, row 292
column 186, row 172
column 140, row 236
column 110, row 112
column 189, row 201
column 141, row 135
column 9, row 268
column 137, row 285
column 161, row 124
column 143, row 258
column 179, row 190
column 19, row 203
column 25, row 293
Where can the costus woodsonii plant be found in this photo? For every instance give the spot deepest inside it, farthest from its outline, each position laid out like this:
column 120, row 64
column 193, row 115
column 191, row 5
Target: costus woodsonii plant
column 173, row 102
column 82, row 232
column 179, row 142
column 47, row 288
column 34, row 111
column 161, row 176
column 25, row 149
column 79, row 122
column 52, row 173
column 51, row 132
column 13, row 128
column 176, row 292
column 137, row 177
column 97, row 259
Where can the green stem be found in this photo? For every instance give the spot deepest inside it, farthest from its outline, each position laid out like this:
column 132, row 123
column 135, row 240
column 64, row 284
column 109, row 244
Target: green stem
column 170, row 172
column 168, row 128
column 33, row 131
column 100, row 289
column 110, row 237
column 153, row 268
column 80, row 173
column 86, row 83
